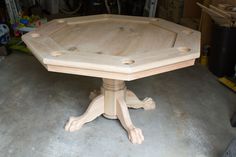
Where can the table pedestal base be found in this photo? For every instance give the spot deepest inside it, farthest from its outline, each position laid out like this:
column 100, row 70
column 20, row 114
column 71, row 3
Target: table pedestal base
column 113, row 103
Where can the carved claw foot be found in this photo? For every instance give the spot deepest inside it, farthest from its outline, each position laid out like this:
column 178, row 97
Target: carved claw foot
column 74, row 124
column 136, row 136
column 148, row 104
column 95, row 109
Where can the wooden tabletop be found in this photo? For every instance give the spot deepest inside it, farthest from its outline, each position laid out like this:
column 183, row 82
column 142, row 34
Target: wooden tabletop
column 113, row 46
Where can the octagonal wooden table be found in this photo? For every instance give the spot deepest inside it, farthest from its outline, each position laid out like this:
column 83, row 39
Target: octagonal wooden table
column 117, row 49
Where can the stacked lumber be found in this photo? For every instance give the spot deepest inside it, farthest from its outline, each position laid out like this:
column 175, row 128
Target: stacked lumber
column 222, row 14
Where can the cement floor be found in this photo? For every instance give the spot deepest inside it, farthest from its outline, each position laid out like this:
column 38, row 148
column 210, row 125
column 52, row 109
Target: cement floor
column 191, row 119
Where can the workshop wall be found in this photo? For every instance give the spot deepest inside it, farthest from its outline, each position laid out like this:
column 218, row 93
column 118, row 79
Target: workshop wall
column 171, row 9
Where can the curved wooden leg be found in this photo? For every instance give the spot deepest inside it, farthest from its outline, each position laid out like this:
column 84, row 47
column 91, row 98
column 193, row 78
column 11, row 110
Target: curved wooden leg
column 93, row 94
column 95, row 109
column 135, row 134
column 134, row 102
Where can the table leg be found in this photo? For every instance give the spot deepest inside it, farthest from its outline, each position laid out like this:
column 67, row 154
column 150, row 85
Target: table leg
column 113, row 103
column 135, row 134
column 95, row 109
column 134, row 102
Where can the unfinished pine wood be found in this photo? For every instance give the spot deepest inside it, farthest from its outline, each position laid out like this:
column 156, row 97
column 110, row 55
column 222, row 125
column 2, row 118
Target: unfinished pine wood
column 112, row 44
column 228, row 9
column 95, row 109
column 113, row 103
column 117, row 49
column 133, row 101
column 220, row 16
column 221, row 11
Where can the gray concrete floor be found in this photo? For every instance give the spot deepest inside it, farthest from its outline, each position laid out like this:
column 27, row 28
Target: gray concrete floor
column 192, row 117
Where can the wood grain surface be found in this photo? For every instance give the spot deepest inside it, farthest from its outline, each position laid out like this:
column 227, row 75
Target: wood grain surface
column 113, row 46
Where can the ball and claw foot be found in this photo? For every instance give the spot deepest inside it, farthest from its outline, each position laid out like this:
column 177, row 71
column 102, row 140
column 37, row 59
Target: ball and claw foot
column 95, row 109
column 136, row 136
column 149, row 104
column 74, row 124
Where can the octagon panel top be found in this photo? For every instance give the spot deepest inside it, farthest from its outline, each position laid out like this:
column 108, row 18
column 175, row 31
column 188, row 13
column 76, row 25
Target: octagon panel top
column 113, row 46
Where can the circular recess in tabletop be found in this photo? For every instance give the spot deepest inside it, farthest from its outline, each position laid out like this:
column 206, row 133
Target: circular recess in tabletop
column 184, row 49
column 154, row 19
column 56, row 53
column 99, row 52
column 128, row 61
column 60, row 21
column 72, row 49
column 35, row 35
column 187, row 32
column 106, row 16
